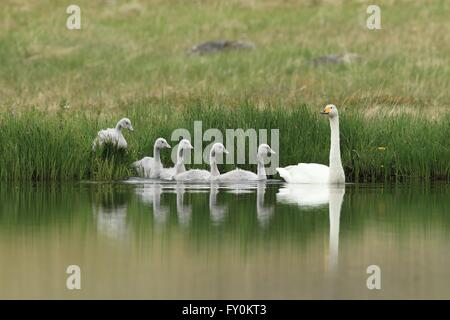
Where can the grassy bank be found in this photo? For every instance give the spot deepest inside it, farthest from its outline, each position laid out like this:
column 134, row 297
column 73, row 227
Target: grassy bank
column 133, row 50
column 58, row 87
column 381, row 147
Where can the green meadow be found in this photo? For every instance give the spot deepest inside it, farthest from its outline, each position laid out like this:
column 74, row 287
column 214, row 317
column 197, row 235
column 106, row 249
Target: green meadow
column 59, row 87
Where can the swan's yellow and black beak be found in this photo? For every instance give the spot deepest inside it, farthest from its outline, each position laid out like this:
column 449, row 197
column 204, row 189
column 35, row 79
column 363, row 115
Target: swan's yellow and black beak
column 326, row 110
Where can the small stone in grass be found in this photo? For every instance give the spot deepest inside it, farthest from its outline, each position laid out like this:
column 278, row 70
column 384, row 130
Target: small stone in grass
column 215, row 46
column 346, row 58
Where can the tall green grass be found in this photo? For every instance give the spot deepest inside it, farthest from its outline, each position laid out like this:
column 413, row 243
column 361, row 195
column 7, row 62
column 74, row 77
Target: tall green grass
column 129, row 59
column 58, row 146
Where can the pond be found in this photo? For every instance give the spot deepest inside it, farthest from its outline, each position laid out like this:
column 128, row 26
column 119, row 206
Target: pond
column 148, row 240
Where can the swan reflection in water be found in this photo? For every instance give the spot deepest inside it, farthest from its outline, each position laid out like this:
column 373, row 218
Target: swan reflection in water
column 217, row 212
column 184, row 212
column 151, row 195
column 310, row 196
column 263, row 213
column 110, row 214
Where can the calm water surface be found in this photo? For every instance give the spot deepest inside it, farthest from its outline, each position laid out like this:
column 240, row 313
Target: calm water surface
column 166, row 241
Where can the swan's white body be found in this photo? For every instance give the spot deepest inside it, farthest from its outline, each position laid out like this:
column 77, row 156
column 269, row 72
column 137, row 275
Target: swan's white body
column 312, row 173
column 149, row 167
column 170, row 173
column 245, row 175
column 239, row 175
column 193, row 175
column 144, row 166
column 113, row 135
column 200, row 175
column 305, row 173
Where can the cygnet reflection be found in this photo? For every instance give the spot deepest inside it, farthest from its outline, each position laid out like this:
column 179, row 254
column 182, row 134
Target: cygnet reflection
column 151, row 195
column 184, row 211
column 217, row 212
column 263, row 213
column 110, row 214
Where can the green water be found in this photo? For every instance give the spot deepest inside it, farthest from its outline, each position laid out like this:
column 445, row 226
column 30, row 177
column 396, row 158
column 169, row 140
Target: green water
column 168, row 241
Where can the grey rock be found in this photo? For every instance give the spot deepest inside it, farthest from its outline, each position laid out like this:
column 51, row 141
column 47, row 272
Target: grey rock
column 215, row 46
column 346, row 58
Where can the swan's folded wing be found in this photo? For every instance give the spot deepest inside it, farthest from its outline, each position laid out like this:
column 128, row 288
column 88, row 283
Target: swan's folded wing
column 104, row 136
column 144, row 166
column 305, row 173
column 193, row 175
column 107, row 134
column 99, row 139
column 238, row 175
column 167, row 173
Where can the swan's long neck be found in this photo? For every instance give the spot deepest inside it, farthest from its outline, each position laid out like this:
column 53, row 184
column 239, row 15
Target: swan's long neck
column 156, row 154
column 157, row 158
column 261, row 172
column 118, row 127
column 336, row 170
column 179, row 166
column 213, row 164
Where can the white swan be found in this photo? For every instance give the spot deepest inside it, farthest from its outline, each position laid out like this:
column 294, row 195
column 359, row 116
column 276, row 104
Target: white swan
column 169, row 173
column 319, row 173
column 113, row 135
column 199, row 175
column 243, row 175
column 150, row 167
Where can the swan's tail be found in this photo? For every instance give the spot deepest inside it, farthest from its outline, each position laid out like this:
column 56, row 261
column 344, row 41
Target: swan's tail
column 139, row 168
column 284, row 174
column 137, row 164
